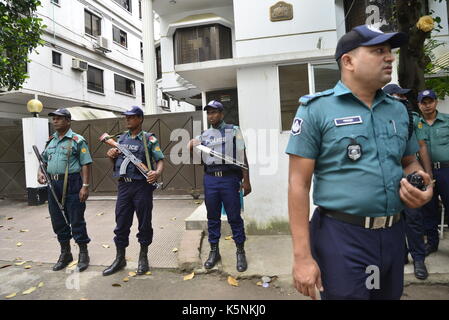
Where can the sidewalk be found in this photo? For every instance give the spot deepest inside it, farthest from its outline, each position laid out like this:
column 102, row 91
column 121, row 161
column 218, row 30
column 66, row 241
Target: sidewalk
column 39, row 243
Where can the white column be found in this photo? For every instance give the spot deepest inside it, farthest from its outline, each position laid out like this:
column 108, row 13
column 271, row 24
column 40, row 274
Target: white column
column 149, row 57
column 204, row 102
column 35, row 132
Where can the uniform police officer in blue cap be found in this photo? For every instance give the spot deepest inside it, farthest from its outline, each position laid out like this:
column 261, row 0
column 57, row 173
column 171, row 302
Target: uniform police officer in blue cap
column 223, row 181
column 135, row 192
column 414, row 223
column 68, row 163
column 354, row 140
column 433, row 127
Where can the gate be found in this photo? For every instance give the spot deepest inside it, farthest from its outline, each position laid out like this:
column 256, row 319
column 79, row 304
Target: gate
column 12, row 165
column 180, row 179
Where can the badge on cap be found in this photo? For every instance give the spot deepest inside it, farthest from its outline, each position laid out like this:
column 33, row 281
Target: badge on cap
column 426, row 93
column 296, row 127
column 354, row 150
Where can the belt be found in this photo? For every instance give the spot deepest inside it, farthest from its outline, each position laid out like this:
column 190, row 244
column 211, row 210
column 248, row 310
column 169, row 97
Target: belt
column 125, row 179
column 60, row 176
column 365, row 222
column 222, row 173
column 439, row 165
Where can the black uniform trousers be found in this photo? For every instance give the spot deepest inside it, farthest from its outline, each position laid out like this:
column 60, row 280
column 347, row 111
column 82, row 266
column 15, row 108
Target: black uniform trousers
column 133, row 196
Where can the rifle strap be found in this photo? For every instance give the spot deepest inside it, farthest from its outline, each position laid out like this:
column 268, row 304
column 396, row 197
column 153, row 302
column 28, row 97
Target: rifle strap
column 66, row 175
column 147, row 153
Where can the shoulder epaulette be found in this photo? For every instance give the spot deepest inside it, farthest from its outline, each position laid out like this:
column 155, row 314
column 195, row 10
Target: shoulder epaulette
column 305, row 100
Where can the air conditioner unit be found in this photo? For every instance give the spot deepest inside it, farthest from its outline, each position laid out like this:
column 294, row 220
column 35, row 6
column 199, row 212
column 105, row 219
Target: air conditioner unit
column 78, row 64
column 162, row 103
column 103, row 44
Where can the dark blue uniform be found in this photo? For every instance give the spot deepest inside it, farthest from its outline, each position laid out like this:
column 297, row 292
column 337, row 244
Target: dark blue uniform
column 222, row 181
column 134, row 192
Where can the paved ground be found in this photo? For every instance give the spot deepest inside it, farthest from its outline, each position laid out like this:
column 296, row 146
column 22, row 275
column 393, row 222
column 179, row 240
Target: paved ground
column 39, row 244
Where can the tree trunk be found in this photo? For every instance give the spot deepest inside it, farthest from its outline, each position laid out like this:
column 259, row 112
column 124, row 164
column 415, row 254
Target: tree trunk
column 412, row 60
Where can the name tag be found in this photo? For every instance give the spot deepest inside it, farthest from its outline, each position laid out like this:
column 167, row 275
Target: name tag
column 348, row 120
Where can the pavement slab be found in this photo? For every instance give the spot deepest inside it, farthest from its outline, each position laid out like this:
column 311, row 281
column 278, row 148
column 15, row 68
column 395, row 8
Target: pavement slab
column 39, row 243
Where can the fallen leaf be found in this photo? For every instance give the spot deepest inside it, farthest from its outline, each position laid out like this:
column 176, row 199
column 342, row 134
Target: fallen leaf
column 30, row 290
column 132, row 274
column 173, row 219
column 9, row 218
column 105, row 246
column 24, row 230
column 189, row 276
column 20, row 263
column 233, row 282
column 116, row 285
column 228, row 238
column 175, row 250
column 12, row 295
column 259, row 283
column 40, row 285
column 27, row 267
column 19, row 244
column 148, row 273
column 100, row 214
column 6, row 266
column 198, row 202
column 1, row 226
column 125, row 279
column 73, row 263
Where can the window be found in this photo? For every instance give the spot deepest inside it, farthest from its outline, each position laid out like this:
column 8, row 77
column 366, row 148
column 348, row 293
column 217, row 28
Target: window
column 202, row 43
column 140, row 9
column 92, row 24
column 142, row 87
column 95, row 79
column 119, row 36
column 141, row 51
column 294, row 83
column 56, row 58
column 126, row 4
column 124, row 85
column 158, row 63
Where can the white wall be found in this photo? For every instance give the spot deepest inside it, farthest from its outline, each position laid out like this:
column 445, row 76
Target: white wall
column 256, row 34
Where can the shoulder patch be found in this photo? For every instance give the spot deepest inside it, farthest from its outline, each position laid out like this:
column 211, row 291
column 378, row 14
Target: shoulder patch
column 75, row 137
column 307, row 99
column 296, row 126
column 152, row 139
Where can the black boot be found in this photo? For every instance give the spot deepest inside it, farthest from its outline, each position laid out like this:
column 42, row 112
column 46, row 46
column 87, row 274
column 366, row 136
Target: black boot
column 420, row 270
column 118, row 264
column 64, row 258
column 143, row 266
column 214, row 256
column 83, row 258
column 242, row 265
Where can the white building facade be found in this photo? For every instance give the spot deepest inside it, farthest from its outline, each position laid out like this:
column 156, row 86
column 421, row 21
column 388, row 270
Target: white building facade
column 92, row 58
column 259, row 57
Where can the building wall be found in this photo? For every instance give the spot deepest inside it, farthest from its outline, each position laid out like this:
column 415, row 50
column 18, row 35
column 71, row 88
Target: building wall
column 260, row 36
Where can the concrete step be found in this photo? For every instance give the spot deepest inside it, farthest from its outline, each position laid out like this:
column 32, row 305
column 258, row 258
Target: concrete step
column 198, row 221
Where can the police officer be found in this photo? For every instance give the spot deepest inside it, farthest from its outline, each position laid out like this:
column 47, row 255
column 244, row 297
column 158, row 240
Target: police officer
column 223, row 181
column 433, row 127
column 135, row 192
column 354, row 140
column 68, row 162
column 414, row 224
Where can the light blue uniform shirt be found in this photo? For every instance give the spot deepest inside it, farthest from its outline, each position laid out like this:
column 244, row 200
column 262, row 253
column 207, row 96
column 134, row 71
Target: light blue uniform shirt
column 56, row 153
column 435, row 135
column 327, row 123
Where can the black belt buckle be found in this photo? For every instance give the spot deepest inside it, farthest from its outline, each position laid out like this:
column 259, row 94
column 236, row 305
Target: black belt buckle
column 218, row 173
column 436, row 165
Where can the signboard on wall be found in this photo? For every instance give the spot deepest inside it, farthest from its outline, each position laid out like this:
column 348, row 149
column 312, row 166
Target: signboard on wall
column 281, row 11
